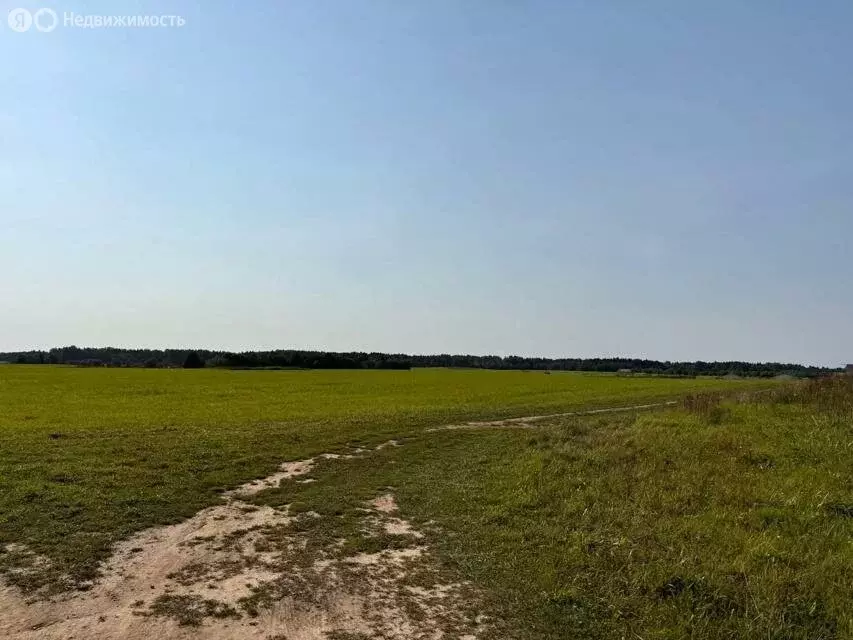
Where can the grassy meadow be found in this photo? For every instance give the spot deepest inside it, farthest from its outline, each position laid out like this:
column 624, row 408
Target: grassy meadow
column 707, row 521
column 710, row 520
column 88, row 456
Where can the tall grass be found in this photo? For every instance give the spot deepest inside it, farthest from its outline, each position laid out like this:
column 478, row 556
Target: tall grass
column 826, row 395
column 830, row 394
column 730, row 517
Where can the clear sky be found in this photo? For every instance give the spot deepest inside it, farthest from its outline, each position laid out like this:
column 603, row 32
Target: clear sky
column 671, row 180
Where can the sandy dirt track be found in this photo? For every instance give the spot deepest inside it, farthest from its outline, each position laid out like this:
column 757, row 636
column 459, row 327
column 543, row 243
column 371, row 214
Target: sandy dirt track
column 236, row 570
column 208, row 567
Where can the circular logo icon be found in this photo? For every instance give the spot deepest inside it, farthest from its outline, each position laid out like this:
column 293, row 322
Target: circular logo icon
column 45, row 20
column 20, row 20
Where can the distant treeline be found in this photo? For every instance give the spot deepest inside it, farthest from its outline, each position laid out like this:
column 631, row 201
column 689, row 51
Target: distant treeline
column 293, row 359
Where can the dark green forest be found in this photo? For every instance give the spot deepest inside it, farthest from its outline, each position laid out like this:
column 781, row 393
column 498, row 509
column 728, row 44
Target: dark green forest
column 296, row 359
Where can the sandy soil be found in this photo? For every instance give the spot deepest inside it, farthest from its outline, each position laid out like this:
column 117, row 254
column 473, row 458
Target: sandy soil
column 529, row 422
column 218, row 576
column 235, row 570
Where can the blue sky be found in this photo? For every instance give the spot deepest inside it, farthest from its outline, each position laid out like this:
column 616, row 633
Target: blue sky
column 671, row 180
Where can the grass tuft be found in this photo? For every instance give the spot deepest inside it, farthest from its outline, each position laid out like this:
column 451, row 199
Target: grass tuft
column 190, row 611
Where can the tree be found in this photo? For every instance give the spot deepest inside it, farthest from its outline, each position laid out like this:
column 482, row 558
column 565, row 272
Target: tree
column 193, row 361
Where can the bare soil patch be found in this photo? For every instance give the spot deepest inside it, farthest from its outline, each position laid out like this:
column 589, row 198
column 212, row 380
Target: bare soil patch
column 238, row 570
column 530, row 422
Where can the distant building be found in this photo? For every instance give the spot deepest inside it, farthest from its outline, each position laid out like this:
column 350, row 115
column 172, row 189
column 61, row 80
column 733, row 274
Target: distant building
column 624, row 372
column 850, row 369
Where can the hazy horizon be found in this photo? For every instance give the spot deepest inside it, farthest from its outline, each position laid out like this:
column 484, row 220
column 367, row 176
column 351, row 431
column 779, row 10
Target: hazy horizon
column 560, row 179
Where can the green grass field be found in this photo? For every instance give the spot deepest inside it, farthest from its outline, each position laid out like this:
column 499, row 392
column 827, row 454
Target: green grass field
column 735, row 522
column 726, row 520
column 89, row 455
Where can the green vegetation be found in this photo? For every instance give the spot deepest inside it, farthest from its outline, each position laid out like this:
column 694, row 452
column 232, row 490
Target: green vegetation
column 190, row 611
column 715, row 519
column 87, row 456
column 294, row 359
column 711, row 521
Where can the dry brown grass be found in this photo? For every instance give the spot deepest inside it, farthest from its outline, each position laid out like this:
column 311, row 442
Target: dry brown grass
column 832, row 394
